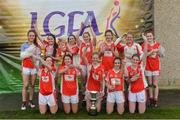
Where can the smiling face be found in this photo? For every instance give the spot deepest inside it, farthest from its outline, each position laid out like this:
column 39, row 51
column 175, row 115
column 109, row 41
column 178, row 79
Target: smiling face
column 31, row 36
column 109, row 36
column 49, row 61
column 150, row 37
column 67, row 60
column 117, row 63
column 129, row 40
column 71, row 40
column 86, row 37
column 135, row 60
column 50, row 40
column 95, row 58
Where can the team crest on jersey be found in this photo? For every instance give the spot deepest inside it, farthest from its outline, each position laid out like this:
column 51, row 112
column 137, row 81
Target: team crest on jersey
column 99, row 72
column 45, row 78
column 115, row 81
column 108, row 53
column 96, row 76
column 131, row 73
column 69, row 77
column 88, row 49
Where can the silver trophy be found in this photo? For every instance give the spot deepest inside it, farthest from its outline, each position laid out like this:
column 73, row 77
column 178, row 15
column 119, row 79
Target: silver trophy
column 93, row 99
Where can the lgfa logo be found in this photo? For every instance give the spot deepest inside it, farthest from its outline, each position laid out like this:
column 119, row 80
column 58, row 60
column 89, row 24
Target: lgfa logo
column 71, row 18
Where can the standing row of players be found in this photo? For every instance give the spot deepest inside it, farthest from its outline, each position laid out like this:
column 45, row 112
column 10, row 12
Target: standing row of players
column 98, row 70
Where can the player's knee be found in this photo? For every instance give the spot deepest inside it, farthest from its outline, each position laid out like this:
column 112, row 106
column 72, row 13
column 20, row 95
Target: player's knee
column 25, row 87
column 132, row 111
column 109, row 111
column 42, row 112
column 32, row 86
column 75, row 111
column 141, row 111
column 67, row 111
column 150, row 85
column 98, row 109
column 120, row 112
column 53, row 112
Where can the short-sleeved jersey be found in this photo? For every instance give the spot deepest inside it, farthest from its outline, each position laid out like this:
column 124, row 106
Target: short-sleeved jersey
column 130, row 51
column 49, row 50
column 89, row 52
column 139, row 84
column 74, row 49
column 108, row 56
column 69, row 82
column 27, row 62
column 95, row 77
column 47, row 81
column 152, row 61
column 114, row 78
column 120, row 48
column 59, row 52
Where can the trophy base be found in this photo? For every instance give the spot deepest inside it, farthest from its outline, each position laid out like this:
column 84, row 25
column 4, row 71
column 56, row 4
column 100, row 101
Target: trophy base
column 92, row 112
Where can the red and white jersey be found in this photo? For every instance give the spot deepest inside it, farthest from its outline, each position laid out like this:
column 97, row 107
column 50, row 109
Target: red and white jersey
column 152, row 61
column 108, row 56
column 59, row 52
column 89, row 52
column 139, row 84
column 73, row 49
column 43, row 43
column 47, row 81
column 69, row 81
column 49, row 50
column 120, row 48
column 130, row 51
column 95, row 77
column 114, row 78
column 28, row 61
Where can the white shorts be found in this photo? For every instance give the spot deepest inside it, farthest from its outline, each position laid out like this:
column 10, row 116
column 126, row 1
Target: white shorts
column 84, row 69
column 29, row 71
column 116, row 96
column 137, row 97
column 152, row 73
column 70, row 99
column 76, row 60
column 49, row 100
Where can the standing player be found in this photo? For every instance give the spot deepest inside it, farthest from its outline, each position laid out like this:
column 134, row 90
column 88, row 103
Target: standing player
column 69, row 85
column 50, row 46
column 73, row 49
column 115, row 85
column 108, row 51
column 95, row 79
column 87, row 41
column 137, row 84
column 131, row 48
column 152, row 70
column 28, row 68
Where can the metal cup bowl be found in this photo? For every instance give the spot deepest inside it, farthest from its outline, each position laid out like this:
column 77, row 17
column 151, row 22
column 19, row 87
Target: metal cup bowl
column 93, row 95
column 93, row 98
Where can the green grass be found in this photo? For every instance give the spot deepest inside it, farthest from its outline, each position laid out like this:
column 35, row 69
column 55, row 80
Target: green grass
column 158, row 113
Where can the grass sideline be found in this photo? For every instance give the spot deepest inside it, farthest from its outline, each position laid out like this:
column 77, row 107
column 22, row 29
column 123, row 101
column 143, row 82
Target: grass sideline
column 151, row 113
